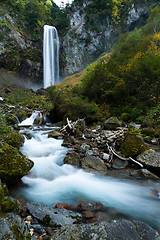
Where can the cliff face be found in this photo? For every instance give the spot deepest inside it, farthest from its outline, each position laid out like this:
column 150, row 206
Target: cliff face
column 85, row 41
column 18, row 53
column 87, row 38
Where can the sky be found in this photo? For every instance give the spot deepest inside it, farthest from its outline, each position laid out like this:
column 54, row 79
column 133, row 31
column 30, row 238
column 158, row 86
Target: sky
column 58, row 2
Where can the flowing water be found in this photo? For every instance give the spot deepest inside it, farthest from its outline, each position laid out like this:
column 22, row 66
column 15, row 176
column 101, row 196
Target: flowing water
column 51, row 181
column 50, row 56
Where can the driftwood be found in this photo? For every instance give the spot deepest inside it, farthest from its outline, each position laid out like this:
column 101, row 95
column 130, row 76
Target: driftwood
column 71, row 127
column 112, row 152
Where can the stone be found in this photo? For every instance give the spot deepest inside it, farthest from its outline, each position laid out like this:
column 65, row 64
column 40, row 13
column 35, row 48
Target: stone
column 72, row 158
column 117, row 163
column 13, row 227
column 58, row 217
column 87, row 214
column 150, row 158
column 91, row 206
column 107, row 230
column 84, row 148
column 112, row 123
column 133, row 145
column 13, row 164
column 66, row 206
column 92, row 163
column 106, row 157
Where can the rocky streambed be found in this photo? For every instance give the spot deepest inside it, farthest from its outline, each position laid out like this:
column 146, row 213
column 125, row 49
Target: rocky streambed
column 86, row 183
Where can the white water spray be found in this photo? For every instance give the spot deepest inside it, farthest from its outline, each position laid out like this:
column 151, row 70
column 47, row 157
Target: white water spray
column 50, row 56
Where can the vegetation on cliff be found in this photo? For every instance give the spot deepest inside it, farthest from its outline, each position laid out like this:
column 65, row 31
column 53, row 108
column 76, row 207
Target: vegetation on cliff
column 32, row 15
column 124, row 83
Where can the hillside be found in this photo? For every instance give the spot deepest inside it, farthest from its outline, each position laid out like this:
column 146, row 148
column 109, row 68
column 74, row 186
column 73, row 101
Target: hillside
column 124, row 83
column 22, row 21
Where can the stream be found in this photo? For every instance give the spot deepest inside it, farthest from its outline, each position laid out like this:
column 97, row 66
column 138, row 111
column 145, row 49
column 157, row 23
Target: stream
column 50, row 181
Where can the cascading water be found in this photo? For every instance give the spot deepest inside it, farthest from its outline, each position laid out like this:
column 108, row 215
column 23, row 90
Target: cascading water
column 51, row 181
column 50, row 56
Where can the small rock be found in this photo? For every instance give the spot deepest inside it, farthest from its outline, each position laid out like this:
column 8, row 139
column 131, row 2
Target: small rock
column 87, row 214
column 106, row 157
column 84, row 148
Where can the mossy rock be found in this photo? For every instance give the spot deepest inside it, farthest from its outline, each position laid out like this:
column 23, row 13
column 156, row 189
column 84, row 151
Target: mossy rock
column 112, row 123
column 10, row 204
column 3, row 192
column 133, row 145
column 15, row 139
column 13, row 164
column 11, row 119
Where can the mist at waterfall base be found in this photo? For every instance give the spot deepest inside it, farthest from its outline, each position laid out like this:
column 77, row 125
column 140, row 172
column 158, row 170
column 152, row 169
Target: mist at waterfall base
column 50, row 56
column 51, row 181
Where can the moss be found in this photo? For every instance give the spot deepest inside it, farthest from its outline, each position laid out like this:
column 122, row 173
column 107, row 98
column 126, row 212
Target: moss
column 19, row 235
column 46, row 220
column 133, row 145
column 13, row 164
column 15, row 139
column 10, row 205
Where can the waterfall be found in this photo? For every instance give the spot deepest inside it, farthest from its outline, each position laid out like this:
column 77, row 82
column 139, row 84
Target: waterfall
column 50, row 56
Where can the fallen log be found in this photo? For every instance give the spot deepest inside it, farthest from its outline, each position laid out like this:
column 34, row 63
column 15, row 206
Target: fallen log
column 122, row 158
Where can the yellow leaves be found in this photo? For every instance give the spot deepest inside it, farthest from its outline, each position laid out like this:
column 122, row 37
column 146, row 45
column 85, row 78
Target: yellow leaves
column 48, row 2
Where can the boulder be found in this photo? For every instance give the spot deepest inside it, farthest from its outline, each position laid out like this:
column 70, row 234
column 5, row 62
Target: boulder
column 92, row 163
column 72, row 158
column 90, row 206
column 150, row 158
column 57, row 217
column 13, row 227
column 13, row 164
column 133, row 145
column 118, row 163
column 15, row 139
column 112, row 123
column 107, row 230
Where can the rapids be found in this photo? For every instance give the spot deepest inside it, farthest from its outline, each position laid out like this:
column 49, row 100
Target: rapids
column 51, row 181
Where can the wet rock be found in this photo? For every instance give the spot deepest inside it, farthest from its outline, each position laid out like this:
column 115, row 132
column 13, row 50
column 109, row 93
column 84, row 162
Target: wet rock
column 15, row 139
column 133, row 145
column 142, row 173
column 106, row 157
column 14, row 165
column 112, row 123
column 84, row 148
column 87, row 214
column 72, row 158
column 66, row 206
column 55, row 134
column 13, row 227
column 150, row 158
column 58, row 217
column 90, row 206
column 107, row 230
column 92, row 163
column 119, row 164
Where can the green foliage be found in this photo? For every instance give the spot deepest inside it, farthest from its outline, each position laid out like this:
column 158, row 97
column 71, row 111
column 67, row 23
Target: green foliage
column 36, row 13
column 3, row 126
column 29, row 99
column 129, row 80
column 68, row 104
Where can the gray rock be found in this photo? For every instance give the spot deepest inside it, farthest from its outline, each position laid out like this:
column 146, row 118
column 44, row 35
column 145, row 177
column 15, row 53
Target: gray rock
column 107, row 230
column 150, row 158
column 93, row 163
column 106, row 156
column 72, row 158
column 119, row 163
column 112, row 123
column 84, row 148
column 13, row 227
column 58, row 217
